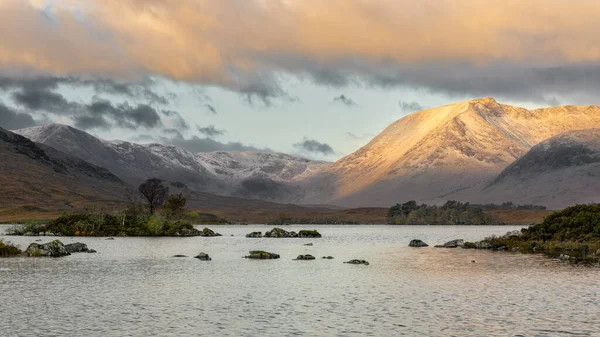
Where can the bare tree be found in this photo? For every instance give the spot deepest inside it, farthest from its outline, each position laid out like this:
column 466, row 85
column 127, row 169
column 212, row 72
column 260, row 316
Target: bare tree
column 154, row 193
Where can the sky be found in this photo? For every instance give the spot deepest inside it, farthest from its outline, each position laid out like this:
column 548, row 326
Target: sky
column 312, row 78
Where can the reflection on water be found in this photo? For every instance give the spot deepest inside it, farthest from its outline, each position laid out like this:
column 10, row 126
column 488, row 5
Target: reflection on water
column 133, row 287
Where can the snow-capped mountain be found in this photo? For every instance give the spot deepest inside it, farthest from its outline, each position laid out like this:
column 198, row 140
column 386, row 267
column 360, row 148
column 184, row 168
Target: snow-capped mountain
column 441, row 153
column 267, row 176
column 563, row 170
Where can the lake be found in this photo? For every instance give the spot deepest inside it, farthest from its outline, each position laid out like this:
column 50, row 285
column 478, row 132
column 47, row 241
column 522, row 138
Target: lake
column 134, row 287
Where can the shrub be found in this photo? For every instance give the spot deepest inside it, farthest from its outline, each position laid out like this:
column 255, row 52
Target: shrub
column 8, row 249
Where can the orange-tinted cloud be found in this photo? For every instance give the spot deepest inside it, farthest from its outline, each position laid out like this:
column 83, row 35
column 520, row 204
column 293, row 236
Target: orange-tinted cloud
column 229, row 42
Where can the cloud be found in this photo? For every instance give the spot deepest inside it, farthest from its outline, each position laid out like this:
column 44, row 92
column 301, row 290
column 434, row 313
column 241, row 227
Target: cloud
column 410, row 106
column 197, row 144
column 313, row 146
column 345, row 100
column 211, row 109
column 141, row 90
column 506, row 51
column 11, row 120
column 99, row 114
column 210, row 131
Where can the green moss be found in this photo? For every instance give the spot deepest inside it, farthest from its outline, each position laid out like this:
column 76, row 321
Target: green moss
column 309, row 234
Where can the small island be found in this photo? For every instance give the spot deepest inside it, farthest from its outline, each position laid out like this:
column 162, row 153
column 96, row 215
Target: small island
column 572, row 234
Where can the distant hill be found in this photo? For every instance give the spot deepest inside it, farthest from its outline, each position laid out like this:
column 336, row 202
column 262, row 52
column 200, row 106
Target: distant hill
column 252, row 175
column 40, row 176
column 563, row 170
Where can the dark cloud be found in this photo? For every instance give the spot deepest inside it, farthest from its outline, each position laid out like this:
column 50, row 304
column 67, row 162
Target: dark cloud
column 313, row 146
column 410, row 106
column 210, row 131
column 105, row 114
column 345, row 100
column 211, row 109
column 99, row 114
column 11, row 120
column 43, row 99
column 197, row 144
column 141, row 90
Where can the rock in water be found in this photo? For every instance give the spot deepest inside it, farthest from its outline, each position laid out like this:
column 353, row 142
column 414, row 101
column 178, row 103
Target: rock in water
column 309, row 234
column 254, row 235
column 52, row 249
column 261, row 255
column 179, row 255
column 366, row 263
column 203, row 256
column 280, row 233
column 208, row 232
column 305, row 257
column 328, row 257
column 308, row 244
column 452, row 244
column 417, row 243
column 77, row 247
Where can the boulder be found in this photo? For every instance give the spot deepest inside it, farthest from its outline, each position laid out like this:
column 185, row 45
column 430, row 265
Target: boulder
column 261, row 255
column 309, row 234
column 417, row 243
column 280, row 233
column 203, row 256
column 328, row 257
column 52, row 249
column 254, row 235
column 366, row 263
column 305, row 257
column 77, row 247
column 208, row 232
column 452, row 244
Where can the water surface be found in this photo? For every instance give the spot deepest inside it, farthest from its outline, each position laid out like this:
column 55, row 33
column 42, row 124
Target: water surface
column 133, row 287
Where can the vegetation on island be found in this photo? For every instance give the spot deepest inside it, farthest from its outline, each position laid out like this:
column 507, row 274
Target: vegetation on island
column 570, row 234
column 157, row 214
column 8, row 249
column 451, row 213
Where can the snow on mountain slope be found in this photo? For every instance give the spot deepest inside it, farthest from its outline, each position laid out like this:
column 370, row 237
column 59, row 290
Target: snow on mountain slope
column 432, row 155
column 561, row 171
column 268, row 176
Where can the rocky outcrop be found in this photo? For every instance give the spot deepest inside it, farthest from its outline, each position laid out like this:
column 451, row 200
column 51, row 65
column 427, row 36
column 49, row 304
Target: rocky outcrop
column 203, row 257
column 280, row 233
column 51, row 249
column 452, row 244
column 261, row 255
column 305, row 257
column 77, row 247
column 417, row 243
column 254, row 235
column 208, row 232
column 366, row 263
column 309, row 234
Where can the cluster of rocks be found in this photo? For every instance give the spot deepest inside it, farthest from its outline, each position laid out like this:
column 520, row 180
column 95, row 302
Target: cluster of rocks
column 366, row 263
column 305, row 257
column 281, row 233
column 56, row 249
